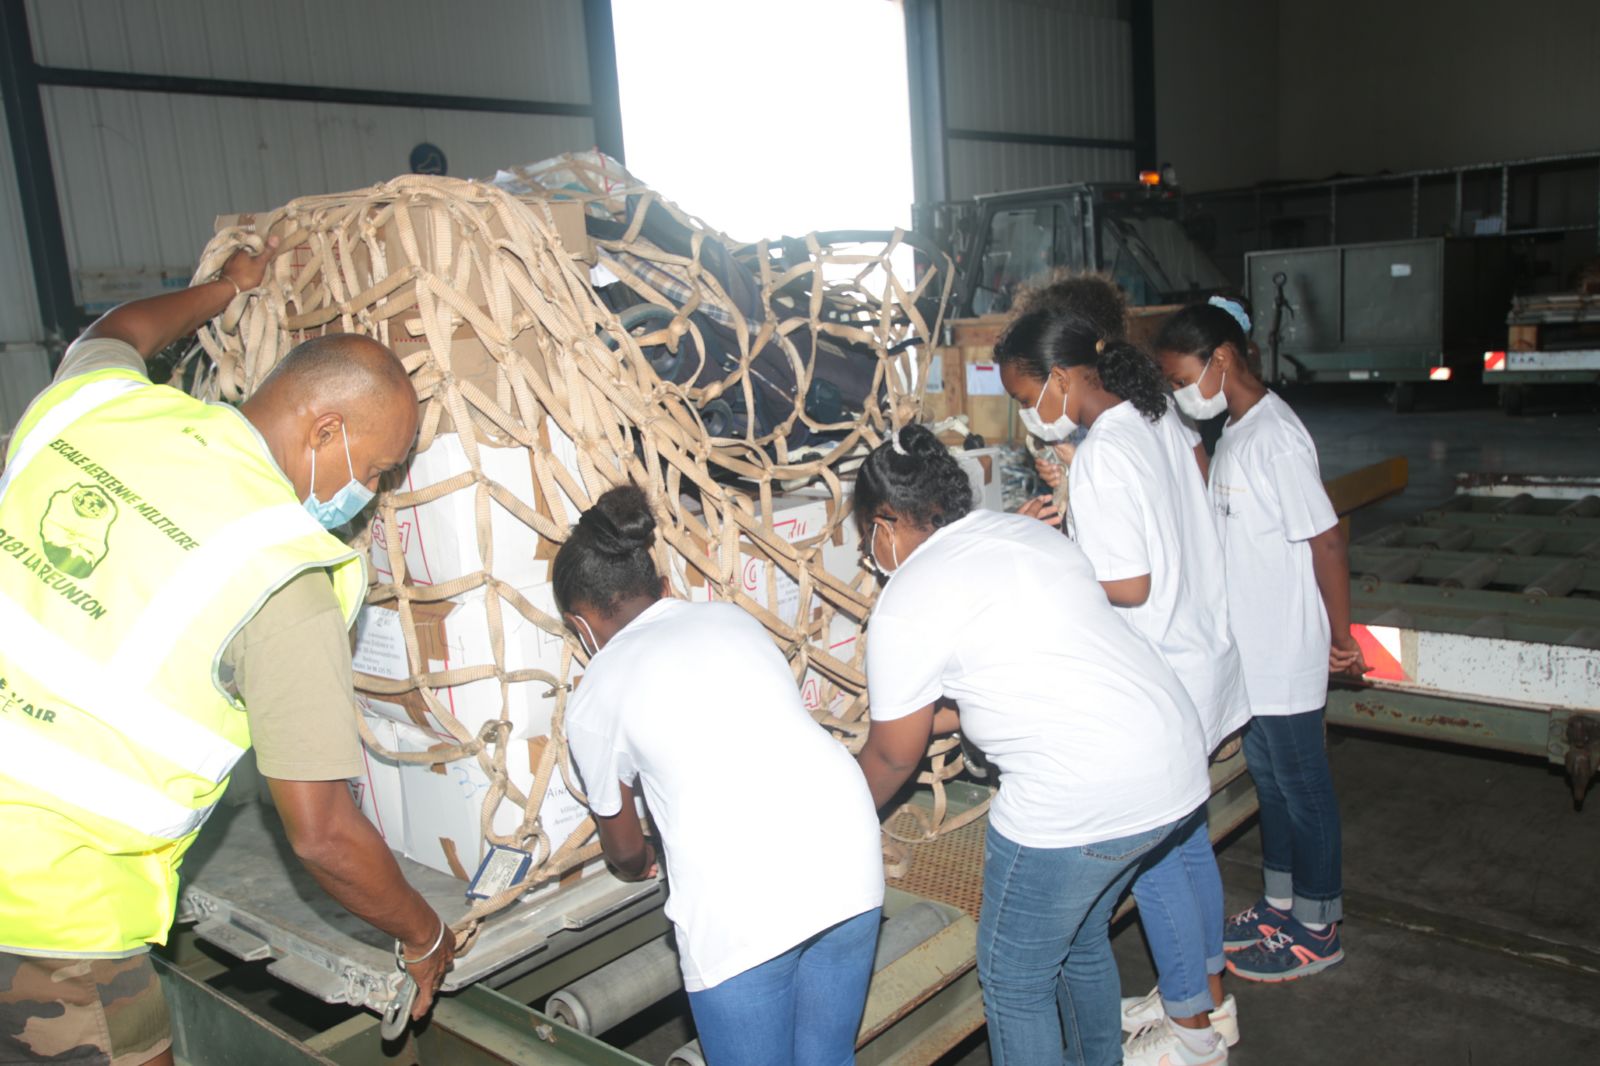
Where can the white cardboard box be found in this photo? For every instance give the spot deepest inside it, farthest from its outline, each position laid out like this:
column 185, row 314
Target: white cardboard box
column 983, row 471
column 443, row 805
column 796, row 516
column 439, row 539
column 453, row 634
column 377, row 790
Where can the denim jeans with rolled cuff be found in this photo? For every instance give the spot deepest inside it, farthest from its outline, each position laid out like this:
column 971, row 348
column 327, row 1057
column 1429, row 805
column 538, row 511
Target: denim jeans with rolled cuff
column 1044, row 948
column 1301, row 844
column 1179, row 892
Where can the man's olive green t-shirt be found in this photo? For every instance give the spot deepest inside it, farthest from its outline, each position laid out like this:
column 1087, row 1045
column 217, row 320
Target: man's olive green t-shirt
column 290, row 663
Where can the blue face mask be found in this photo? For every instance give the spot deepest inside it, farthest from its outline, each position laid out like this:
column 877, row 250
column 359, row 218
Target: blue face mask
column 346, row 503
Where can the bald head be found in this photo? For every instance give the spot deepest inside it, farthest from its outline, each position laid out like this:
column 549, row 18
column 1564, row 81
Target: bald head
column 330, row 390
column 341, row 367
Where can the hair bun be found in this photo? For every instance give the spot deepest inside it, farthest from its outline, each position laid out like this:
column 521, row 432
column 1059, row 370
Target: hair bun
column 620, row 522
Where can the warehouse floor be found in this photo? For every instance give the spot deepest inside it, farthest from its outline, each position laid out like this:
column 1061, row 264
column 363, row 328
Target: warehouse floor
column 1473, row 933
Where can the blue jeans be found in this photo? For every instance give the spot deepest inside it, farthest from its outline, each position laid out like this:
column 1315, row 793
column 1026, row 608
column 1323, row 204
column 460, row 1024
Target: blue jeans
column 1044, row 948
column 1300, row 836
column 1179, row 890
column 801, row 1008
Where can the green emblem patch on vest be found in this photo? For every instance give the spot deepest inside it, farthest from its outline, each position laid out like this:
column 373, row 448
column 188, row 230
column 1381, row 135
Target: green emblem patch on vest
column 76, row 527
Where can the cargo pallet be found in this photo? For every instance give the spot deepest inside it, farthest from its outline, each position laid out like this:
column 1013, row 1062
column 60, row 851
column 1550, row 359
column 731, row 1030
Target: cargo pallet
column 245, row 895
column 1480, row 620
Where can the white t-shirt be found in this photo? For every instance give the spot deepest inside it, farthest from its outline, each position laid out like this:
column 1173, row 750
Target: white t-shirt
column 1268, row 497
column 695, row 702
column 1092, row 732
column 1138, row 506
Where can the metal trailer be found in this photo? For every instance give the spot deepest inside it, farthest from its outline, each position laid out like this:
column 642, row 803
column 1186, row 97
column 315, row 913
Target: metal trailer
column 245, row 895
column 1480, row 619
column 1551, row 340
column 1401, row 312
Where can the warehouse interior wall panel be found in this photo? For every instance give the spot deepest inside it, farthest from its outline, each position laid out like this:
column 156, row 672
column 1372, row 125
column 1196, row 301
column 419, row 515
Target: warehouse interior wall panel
column 19, row 306
column 1282, row 90
column 1216, row 79
column 1025, row 66
column 514, row 49
column 1369, row 85
column 979, row 167
column 143, row 175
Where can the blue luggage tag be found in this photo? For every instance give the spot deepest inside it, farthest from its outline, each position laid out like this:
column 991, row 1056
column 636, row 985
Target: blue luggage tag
column 501, row 868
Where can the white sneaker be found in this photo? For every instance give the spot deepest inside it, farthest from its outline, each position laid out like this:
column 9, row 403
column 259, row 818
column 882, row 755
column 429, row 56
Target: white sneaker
column 1139, row 1012
column 1160, row 1045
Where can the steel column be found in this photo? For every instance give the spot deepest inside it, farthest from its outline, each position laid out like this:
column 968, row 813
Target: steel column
column 605, row 98
column 930, row 148
column 36, row 182
column 1141, row 28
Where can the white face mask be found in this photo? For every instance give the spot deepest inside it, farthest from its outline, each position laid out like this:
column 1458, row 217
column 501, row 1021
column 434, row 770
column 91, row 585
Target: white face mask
column 1051, row 432
column 592, row 652
column 872, row 550
column 1199, row 407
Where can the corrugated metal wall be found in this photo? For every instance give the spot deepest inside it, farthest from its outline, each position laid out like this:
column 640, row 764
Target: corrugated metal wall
column 142, row 175
column 1051, row 68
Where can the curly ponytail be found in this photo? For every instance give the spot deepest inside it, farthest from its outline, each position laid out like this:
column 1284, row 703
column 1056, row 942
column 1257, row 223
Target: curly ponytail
column 1041, row 340
column 916, row 476
column 1127, row 372
column 606, row 558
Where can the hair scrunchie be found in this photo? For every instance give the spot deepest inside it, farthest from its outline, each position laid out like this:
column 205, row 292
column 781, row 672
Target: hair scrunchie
column 894, row 442
column 1235, row 311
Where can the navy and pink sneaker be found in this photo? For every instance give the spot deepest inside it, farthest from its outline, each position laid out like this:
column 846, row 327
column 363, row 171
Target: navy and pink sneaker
column 1251, row 925
column 1290, row 953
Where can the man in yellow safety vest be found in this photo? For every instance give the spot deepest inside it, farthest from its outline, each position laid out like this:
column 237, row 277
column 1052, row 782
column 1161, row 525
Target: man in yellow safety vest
column 170, row 596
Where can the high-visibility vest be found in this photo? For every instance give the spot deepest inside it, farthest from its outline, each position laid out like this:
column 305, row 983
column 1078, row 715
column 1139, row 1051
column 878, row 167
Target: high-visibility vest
column 140, row 529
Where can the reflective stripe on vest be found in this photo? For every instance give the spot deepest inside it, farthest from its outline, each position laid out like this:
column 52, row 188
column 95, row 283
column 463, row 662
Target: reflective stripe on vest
column 81, row 782
column 58, row 418
column 182, row 597
column 81, row 681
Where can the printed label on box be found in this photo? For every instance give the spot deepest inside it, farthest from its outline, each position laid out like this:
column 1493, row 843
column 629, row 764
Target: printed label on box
column 983, row 379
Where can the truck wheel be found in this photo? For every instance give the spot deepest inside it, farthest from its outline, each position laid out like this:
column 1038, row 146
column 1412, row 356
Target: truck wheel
column 1404, row 397
column 1511, row 398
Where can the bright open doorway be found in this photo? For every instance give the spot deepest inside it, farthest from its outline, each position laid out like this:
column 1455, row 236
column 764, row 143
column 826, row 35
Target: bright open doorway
column 769, row 117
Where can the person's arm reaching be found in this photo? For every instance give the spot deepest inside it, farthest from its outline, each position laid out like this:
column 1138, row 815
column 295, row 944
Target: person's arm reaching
column 351, row 862
column 1330, row 562
column 631, row 856
column 893, row 751
column 149, row 325
column 1128, row 591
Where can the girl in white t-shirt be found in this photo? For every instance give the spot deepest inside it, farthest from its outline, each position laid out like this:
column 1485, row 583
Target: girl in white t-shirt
column 695, row 705
column 1138, row 510
column 1288, row 586
column 1099, row 749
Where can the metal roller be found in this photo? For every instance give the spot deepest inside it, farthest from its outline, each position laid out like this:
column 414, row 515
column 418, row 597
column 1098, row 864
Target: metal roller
column 1559, row 580
column 1473, row 575
column 619, row 989
column 1447, row 539
column 897, row 937
column 1528, row 542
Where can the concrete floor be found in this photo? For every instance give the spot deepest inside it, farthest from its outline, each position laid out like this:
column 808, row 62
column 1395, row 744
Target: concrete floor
column 1473, row 930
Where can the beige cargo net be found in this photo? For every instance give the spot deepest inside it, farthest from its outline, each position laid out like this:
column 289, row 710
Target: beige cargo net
column 509, row 344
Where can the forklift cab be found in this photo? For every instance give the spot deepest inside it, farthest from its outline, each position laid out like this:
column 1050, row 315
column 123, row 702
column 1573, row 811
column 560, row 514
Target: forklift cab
column 1131, row 232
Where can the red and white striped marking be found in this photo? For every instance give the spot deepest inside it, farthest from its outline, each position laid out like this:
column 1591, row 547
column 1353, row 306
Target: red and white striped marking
column 1493, row 361
column 1439, row 373
column 1380, row 645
